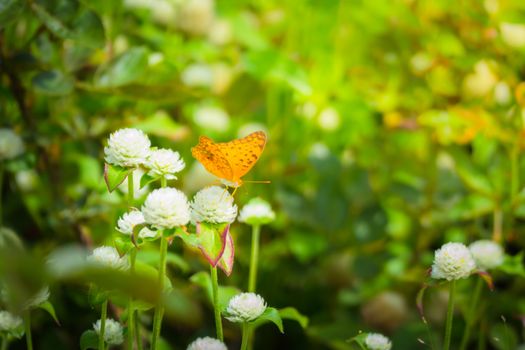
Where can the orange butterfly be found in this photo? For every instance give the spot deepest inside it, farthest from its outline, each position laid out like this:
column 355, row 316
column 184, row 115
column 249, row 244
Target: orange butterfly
column 230, row 160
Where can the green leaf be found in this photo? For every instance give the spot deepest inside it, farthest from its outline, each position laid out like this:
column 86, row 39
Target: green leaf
column 52, row 23
column 115, row 175
column 227, row 258
column 212, row 240
column 126, row 69
column 270, row 315
column 203, row 280
column 146, row 180
column 89, row 340
column 89, row 30
column 513, row 265
column 161, row 124
column 47, row 306
column 53, row 83
column 152, row 258
column 360, row 339
column 10, row 10
column 290, row 313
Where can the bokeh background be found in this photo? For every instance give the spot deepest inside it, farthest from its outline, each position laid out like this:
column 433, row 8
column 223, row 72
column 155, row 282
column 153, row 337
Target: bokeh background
column 394, row 127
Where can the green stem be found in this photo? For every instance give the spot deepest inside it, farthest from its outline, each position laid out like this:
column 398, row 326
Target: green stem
column 450, row 315
column 252, row 280
column 471, row 315
column 131, row 189
column 1, row 187
column 103, row 315
column 27, row 323
column 159, row 310
column 137, row 331
column 216, row 310
column 163, row 182
column 245, row 336
column 5, row 342
column 131, row 310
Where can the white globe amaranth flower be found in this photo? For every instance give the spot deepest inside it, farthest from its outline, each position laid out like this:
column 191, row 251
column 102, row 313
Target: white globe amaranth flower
column 207, row 343
column 245, row 307
column 11, row 145
column 196, row 16
column 9, row 322
column 127, row 148
column 513, row 34
column 197, row 75
column 108, row 256
column 40, row 297
column 166, row 208
column 164, row 163
column 257, row 212
column 113, row 332
column 376, row 341
column 487, row 254
column 213, row 204
column 453, row 261
column 127, row 222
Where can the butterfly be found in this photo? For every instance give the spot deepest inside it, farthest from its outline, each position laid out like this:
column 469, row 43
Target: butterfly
column 230, row 160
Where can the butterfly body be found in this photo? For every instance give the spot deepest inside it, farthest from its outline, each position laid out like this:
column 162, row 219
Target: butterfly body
column 230, row 160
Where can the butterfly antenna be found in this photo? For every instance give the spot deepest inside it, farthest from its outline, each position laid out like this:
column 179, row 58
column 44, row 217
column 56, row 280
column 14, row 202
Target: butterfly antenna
column 258, row 181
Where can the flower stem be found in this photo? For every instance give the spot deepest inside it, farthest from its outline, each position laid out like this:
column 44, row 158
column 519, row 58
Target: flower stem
column 159, row 310
column 471, row 316
column 137, row 331
column 252, row 280
column 217, row 311
column 245, row 336
column 5, row 342
column 103, row 315
column 163, row 182
column 450, row 315
column 27, row 324
column 1, row 187
column 131, row 310
column 131, row 189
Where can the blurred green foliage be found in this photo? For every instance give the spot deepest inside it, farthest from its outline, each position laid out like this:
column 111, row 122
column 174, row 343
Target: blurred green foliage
column 394, row 126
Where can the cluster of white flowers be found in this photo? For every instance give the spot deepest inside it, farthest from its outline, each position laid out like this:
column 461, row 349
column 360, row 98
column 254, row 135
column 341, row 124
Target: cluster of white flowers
column 127, row 148
column 9, row 322
column 453, row 261
column 164, row 163
column 166, row 208
column 108, row 256
column 257, row 212
column 11, row 145
column 213, row 204
column 129, row 220
column 113, row 332
column 487, row 254
column 207, row 343
column 245, row 307
column 376, row 341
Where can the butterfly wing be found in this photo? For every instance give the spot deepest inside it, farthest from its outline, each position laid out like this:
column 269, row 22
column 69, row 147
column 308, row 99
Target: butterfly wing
column 211, row 157
column 242, row 154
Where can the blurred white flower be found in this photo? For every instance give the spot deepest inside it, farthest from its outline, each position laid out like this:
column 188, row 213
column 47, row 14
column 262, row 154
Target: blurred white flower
column 197, row 177
column 308, row 110
column 329, row 119
column 40, row 297
column 376, row 341
column 502, row 93
column 220, row 32
column 513, row 34
column 453, row 261
column 127, row 148
column 212, row 118
column 421, row 62
column 213, row 204
column 9, row 322
column 196, row 16
column 487, row 254
column 129, row 220
column 166, row 208
column 164, row 163
column 155, row 58
column 319, row 150
column 11, row 145
column 26, row 180
column 108, row 256
column 257, row 212
column 113, row 331
column 245, row 307
column 481, row 81
column 207, row 343
column 222, row 77
column 197, row 75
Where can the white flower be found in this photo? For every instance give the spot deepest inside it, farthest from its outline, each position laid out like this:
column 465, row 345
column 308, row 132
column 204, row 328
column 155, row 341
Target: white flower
column 165, row 163
column 481, row 81
column 329, row 119
column 245, row 307
column 127, row 148
column 108, row 256
column 196, row 16
column 220, row 32
column 213, row 118
column 487, row 254
column 11, row 145
column 166, row 208
column 129, row 220
column 40, row 297
column 213, row 204
column 113, row 334
column 207, row 343
column 257, row 212
column 197, row 75
column 9, row 322
column 376, row 341
column 453, row 261
column 27, row 180
column 513, row 34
